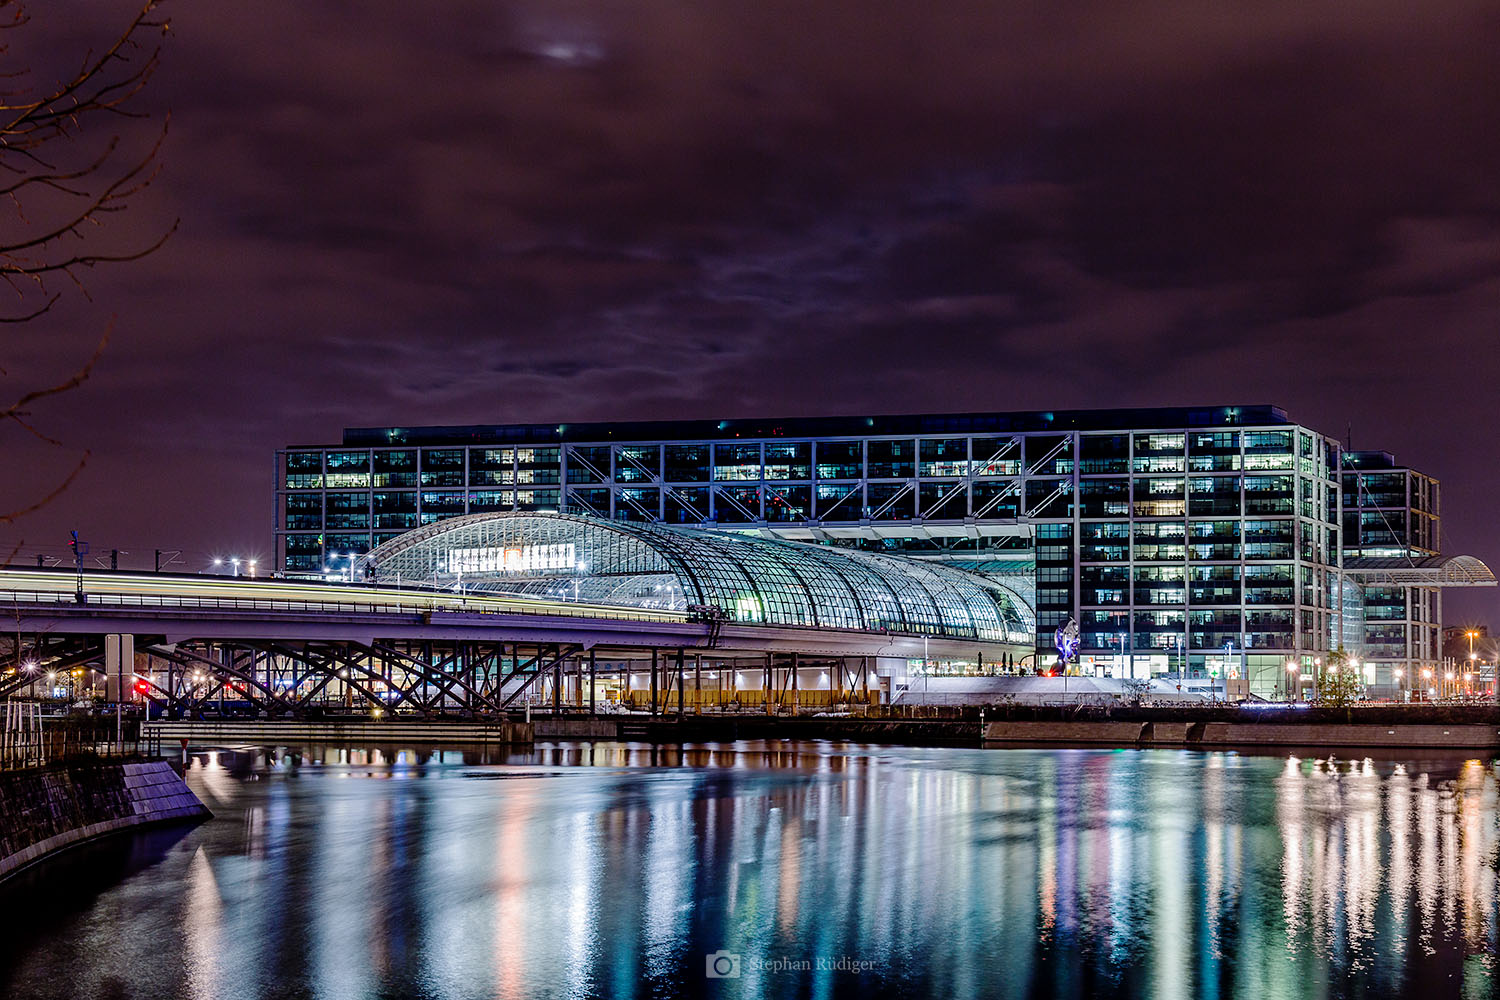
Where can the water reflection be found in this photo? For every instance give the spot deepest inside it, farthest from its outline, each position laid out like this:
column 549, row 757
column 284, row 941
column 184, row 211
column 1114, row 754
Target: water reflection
column 613, row 869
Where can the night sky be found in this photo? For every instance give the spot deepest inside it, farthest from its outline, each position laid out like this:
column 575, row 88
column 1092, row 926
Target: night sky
column 459, row 212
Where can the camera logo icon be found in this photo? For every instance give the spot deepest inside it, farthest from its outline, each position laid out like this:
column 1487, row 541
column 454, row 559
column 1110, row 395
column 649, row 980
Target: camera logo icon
column 722, row 964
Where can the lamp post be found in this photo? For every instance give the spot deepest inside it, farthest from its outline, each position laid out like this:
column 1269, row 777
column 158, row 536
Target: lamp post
column 1472, row 634
column 1426, row 680
column 927, row 669
column 1291, row 678
column 1398, row 673
column 1228, row 659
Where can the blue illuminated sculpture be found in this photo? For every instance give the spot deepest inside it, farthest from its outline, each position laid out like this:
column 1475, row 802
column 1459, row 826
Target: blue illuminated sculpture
column 1066, row 640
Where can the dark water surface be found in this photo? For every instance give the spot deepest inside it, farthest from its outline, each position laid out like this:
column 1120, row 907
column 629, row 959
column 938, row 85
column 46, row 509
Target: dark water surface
column 827, row 869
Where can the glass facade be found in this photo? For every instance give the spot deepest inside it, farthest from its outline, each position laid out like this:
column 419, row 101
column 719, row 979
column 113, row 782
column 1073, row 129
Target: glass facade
column 1391, row 512
column 1179, row 539
column 751, row 578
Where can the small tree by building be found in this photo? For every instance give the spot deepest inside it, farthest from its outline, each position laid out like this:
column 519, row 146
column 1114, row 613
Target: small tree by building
column 1339, row 683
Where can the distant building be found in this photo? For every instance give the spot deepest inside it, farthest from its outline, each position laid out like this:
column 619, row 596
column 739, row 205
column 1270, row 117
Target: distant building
column 1458, row 644
column 1222, row 540
column 1391, row 512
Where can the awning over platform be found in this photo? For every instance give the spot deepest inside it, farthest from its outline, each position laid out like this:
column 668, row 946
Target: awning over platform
column 1432, row 571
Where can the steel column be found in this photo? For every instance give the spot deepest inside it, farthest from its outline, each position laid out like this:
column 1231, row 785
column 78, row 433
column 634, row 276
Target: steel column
column 680, row 673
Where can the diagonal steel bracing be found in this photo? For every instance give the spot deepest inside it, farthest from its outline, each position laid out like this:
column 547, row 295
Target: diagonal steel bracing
column 559, row 653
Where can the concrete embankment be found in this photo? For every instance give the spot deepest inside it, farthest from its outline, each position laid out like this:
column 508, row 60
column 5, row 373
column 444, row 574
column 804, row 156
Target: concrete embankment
column 576, row 729
column 1232, row 734
column 726, row 728
column 1207, row 727
column 1231, row 728
column 47, row 809
column 368, row 732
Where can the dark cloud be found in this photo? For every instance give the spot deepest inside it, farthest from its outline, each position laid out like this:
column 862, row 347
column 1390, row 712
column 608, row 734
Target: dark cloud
column 482, row 211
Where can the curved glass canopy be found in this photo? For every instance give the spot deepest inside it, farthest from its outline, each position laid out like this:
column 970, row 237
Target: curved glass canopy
column 749, row 578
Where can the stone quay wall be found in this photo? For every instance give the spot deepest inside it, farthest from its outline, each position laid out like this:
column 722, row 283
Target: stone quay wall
column 290, row 732
column 44, row 810
column 1231, row 734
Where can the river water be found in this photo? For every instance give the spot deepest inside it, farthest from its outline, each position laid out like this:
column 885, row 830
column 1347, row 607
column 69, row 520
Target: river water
column 809, row 870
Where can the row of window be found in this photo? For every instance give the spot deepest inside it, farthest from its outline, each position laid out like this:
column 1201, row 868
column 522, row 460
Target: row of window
column 693, row 504
column 1200, row 552
column 857, row 459
column 1223, row 496
column 1196, row 593
column 1392, row 489
column 1118, row 642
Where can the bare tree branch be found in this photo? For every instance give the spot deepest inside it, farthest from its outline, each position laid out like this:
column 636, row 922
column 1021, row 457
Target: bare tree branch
column 39, row 132
column 60, row 187
column 11, row 516
column 17, row 409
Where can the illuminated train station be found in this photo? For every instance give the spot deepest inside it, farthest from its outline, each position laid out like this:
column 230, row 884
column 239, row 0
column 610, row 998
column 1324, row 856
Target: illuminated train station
column 481, row 615
column 1224, row 541
column 745, row 578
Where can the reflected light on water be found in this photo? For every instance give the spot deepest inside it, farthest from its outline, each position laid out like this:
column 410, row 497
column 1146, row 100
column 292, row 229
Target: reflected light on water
column 202, row 924
column 613, row 869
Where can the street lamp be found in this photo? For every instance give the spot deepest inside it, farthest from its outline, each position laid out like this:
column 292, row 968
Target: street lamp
column 1398, row 673
column 234, row 562
column 1291, row 691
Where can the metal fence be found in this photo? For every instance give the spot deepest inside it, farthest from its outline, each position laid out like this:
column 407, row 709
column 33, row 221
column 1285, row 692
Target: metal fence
column 61, row 738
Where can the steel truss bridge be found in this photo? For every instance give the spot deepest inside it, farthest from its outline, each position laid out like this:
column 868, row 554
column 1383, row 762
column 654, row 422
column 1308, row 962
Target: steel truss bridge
column 290, row 649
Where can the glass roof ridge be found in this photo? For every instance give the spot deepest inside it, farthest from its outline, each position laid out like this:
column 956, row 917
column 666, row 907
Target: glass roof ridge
column 750, row 578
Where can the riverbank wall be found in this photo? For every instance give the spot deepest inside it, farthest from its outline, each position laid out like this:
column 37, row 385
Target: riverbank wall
column 363, row 732
column 1437, row 727
column 1227, row 735
column 1209, row 726
column 1075, row 732
column 44, row 810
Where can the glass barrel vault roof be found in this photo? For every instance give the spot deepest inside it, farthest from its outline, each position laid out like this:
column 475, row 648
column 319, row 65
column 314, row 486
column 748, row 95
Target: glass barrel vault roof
column 751, row 578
